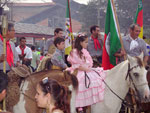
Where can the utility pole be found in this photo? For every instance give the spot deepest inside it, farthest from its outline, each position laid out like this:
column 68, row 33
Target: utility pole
column 98, row 15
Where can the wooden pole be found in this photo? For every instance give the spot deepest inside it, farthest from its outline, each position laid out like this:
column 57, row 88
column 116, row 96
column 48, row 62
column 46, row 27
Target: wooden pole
column 122, row 47
column 70, row 15
column 72, row 37
column 4, row 31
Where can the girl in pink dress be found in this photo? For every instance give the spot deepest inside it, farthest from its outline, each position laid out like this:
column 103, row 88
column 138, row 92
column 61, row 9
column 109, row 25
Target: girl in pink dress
column 91, row 85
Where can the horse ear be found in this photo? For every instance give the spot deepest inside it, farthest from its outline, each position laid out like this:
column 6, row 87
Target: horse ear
column 141, row 56
column 131, row 59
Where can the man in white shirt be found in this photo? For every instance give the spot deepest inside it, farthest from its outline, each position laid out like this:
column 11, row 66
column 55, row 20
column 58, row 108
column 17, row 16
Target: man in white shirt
column 24, row 52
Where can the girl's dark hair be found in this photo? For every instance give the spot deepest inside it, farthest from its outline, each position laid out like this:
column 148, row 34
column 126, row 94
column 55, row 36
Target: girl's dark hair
column 79, row 39
column 59, row 94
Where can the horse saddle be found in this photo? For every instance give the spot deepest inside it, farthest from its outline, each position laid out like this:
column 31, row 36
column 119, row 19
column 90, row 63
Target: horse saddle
column 56, row 67
column 22, row 71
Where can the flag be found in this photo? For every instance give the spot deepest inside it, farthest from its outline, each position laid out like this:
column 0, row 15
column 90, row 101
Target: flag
column 111, row 38
column 69, row 35
column 139, row 17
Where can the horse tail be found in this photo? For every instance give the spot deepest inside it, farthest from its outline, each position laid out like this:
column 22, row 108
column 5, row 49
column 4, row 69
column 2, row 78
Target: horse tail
column 73, row 79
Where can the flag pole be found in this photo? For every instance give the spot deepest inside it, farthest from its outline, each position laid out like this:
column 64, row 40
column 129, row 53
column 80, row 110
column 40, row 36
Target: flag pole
column 72, row 37
column 4, row 31
column 121, row 41
column 122, row 47
column 69, row 15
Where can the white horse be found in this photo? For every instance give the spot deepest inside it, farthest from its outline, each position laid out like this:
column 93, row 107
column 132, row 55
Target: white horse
column 119, row 79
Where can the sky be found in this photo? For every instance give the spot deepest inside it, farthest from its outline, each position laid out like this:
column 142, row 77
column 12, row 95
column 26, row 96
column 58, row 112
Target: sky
column 38, row 1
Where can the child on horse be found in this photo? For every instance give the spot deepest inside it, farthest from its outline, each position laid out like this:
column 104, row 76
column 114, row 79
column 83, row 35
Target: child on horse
column 91, row 85
column 58, row 58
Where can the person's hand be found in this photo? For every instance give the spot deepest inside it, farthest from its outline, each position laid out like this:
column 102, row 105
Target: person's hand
column 87, row 67
column 49, row 55
column 99, row 36
column 18, row 64
column 122, row 53
column 2, row 58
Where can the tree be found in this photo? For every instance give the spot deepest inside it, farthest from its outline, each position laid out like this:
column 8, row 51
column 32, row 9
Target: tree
column 88, row 15
column 125, row 9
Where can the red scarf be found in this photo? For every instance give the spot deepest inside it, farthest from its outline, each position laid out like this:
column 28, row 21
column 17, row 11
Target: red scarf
column 96, row 43
column 9, row 52
column 22, row 49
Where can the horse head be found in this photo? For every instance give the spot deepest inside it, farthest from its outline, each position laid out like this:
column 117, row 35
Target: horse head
column 137, row 76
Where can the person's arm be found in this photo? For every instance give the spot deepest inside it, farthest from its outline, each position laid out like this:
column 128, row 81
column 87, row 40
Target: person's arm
column 49, row 42
column 84, row 68
column 145, row 60
column 146, row 55
column 120, row 53
column 2, row 58
column 28, row 55
column 37, row 60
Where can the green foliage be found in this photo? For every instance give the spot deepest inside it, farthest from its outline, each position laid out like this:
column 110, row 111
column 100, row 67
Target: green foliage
column 88, row 15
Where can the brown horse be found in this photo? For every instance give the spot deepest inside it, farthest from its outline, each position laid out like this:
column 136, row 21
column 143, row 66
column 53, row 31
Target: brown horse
column 22, row 100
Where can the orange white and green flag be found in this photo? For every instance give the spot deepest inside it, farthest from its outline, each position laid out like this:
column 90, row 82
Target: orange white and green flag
column 139, row 17
column 69, row 35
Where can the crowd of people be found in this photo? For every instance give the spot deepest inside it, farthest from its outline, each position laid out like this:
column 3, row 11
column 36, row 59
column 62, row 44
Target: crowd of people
column 50, row 94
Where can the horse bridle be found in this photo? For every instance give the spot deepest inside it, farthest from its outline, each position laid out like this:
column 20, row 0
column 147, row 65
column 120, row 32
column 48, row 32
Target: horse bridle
column 131, row 80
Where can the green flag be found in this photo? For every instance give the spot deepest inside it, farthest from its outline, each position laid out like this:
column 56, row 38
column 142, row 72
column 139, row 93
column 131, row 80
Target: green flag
column 111, row 39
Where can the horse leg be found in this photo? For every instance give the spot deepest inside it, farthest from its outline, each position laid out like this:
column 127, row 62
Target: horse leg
column 88, row 109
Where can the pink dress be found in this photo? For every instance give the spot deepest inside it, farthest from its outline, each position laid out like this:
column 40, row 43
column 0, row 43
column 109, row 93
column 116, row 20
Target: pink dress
column 91, row 87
